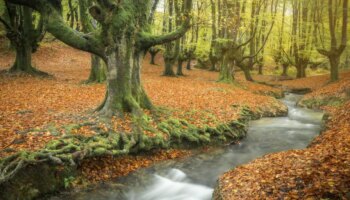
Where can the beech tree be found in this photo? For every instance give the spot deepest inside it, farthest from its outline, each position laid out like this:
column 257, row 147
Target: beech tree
column 72, row 14
column 171, row 51
column 232, row 45
column 153, row 51
column 25, row 30
column 121, row 42
column 213, row 57
column 98, row 68
column 335, row 51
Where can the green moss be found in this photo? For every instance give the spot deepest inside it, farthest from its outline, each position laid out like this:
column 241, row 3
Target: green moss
column 178, row 133
column 99, row 151
column 70, row 127
column 317, row 103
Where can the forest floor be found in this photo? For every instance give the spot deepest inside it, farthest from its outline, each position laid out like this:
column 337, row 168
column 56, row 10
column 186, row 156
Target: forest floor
column 321, row 171
column 30, row 104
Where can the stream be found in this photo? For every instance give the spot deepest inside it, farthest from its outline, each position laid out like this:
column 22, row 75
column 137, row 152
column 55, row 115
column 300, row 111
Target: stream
column 194, row 178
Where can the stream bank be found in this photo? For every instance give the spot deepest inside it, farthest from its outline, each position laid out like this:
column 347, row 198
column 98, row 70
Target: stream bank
column 321, row 171
column 194, row 178
column 32, row 178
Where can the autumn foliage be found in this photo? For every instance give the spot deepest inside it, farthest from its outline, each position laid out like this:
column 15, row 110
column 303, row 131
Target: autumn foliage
column 322, row 171
column 36, row 110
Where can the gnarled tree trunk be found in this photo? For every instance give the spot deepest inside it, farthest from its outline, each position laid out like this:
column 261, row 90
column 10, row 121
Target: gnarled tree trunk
column 24, row 37
column 121, row 42
column 246, row 72
column 124, row 90
column 169, row 62
column 226, row 73
column 23, row 62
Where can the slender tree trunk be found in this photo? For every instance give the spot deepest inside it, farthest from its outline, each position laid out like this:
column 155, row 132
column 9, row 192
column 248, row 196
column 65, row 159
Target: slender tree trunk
column 260, row 70
column 179, row 68
column 153, row 56
column 247, row 74
column 71, row 13
column 212, row 54
column 188, row 66
column 347, row 61
column 213, row 64
column 285, row 70
column 137, row 88
column 98, row 70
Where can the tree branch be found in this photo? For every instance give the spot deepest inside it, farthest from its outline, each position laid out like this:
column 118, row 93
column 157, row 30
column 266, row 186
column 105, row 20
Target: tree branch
column 344, row 28
column 55, row 24
column 287, row 56
column 7, row 26
column 147, row 40
column 267, row 37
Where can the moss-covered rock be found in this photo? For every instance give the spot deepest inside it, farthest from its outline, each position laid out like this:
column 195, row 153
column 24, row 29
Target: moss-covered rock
column 35, row 180
column 318, row 102
column 299, row 90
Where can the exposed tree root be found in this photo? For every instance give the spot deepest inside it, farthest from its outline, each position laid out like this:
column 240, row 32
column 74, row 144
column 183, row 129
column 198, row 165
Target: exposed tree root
column 32, row 71
column 72, row 149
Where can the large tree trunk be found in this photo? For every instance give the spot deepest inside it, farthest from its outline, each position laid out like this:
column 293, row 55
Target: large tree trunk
column 168, row 70
column 23, row 45
column 121, row 37
column 226, row 72
column 124, row 90
column 23, row 62
column 98, row 70
column 301, row 70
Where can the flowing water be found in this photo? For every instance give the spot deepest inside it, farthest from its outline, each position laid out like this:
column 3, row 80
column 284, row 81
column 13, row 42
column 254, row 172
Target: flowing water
column 194, row 178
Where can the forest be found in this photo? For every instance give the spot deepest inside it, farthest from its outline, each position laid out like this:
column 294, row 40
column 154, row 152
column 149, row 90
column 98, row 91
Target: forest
column 174, row 99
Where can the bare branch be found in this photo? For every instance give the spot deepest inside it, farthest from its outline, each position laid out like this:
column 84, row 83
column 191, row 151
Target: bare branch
column 7, row 26
column 147, row 40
